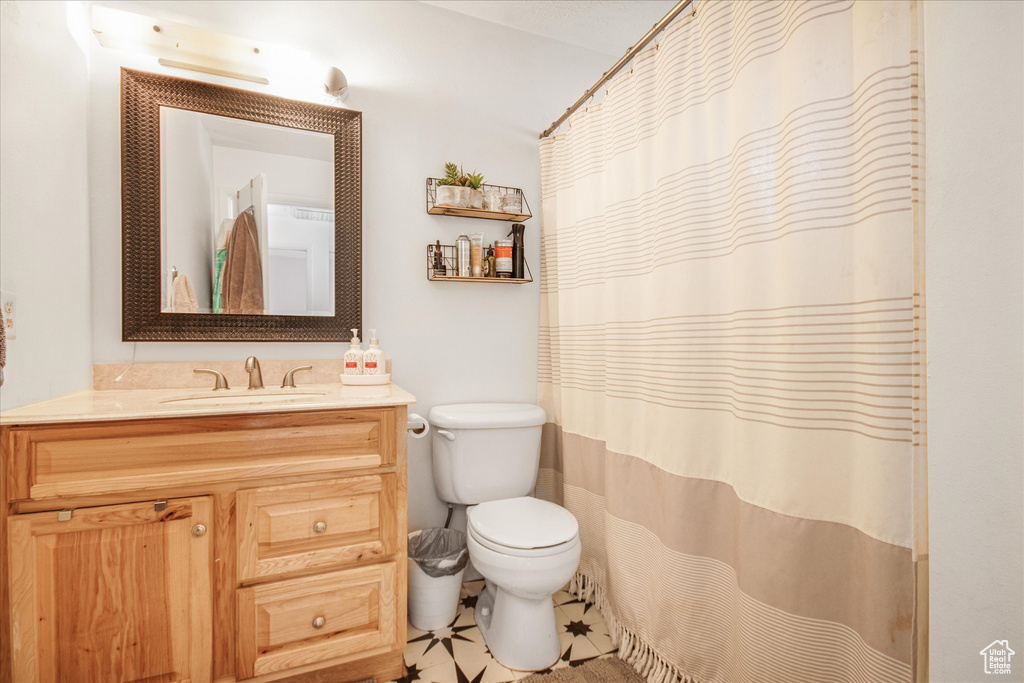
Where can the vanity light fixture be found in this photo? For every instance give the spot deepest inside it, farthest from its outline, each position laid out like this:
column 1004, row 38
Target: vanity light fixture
column 336, row 84
column 187, row 47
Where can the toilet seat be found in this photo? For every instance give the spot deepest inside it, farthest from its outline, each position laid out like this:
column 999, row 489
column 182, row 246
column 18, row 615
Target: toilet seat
column 523, row 527
column 546, row 551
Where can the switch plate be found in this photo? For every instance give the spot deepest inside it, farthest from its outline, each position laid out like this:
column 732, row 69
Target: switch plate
column 9, row 311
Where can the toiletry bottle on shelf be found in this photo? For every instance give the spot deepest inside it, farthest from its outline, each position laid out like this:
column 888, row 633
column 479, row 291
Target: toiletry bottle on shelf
column 354, row 356
column 476, row 248
column 439, row 268
column 462, row 263
column 503, row 258
column 373, row 357
column 492, row 265
column 518, row 252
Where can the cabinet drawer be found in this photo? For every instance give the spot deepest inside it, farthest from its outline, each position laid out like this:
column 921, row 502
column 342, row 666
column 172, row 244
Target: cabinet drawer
column 293, row 623
column 99, row 458
column 285, row 529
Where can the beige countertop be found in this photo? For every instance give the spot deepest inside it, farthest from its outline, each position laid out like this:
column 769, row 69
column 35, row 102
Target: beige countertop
column 142, row 404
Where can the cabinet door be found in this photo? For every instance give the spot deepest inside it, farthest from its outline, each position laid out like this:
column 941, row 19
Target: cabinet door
column 114, row 594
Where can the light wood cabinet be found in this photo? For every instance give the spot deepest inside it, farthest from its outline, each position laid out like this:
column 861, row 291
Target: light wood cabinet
column 285, row 529
column 210, row 549
column 289, row 623
column 118, row 593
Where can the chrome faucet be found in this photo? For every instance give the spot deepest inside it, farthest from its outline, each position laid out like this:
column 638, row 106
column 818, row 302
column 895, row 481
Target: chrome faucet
column 252, row 366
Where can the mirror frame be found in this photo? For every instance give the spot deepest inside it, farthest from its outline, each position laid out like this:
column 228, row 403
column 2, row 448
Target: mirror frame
column 142, row 95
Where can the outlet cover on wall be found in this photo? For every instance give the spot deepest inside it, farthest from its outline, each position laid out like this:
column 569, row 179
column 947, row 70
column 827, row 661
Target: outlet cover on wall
column 9, row 311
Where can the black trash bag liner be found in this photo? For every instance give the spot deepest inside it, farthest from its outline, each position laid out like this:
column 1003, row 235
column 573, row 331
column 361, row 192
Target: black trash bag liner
column 439, row 552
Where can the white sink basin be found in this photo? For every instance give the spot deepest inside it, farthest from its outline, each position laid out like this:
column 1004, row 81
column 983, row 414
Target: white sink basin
column 248, row 398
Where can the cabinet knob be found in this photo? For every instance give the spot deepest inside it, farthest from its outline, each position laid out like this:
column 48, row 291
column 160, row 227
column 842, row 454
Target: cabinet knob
column 319, row 622
column 319, row 527
column 198, row 530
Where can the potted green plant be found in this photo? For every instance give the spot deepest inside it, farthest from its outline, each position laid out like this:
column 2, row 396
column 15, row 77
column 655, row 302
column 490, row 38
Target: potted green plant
column 458, row 188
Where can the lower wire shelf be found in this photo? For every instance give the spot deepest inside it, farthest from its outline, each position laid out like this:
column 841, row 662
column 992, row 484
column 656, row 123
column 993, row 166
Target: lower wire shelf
column 450, row 265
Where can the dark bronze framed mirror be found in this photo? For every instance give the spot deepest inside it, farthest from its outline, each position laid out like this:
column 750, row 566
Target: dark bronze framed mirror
column 241, row 214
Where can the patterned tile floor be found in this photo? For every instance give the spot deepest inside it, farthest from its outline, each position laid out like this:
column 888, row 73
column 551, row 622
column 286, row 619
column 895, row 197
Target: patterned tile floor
column 458, row 654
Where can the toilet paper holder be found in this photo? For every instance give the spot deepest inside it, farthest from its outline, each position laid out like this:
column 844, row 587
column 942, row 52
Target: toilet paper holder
column 417, row 426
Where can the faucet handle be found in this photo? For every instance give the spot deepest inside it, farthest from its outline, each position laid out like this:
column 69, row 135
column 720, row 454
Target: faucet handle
column 222, row 382
column 289, row 377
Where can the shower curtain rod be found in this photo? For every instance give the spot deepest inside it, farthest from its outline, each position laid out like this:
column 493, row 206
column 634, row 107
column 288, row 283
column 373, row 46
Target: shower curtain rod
column 632, row 52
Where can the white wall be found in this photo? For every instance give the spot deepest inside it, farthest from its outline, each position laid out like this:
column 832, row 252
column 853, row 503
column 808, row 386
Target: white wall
column 433, row 86
column 316, row 239
column 974, row 99
column 44, row 228
column 289, row 178
column 186, row 202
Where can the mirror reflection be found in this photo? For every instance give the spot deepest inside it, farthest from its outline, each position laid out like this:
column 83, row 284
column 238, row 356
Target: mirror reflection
column 247, row 217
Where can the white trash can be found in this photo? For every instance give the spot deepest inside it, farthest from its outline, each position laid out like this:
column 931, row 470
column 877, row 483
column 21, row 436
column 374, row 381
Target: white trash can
column 437, row 562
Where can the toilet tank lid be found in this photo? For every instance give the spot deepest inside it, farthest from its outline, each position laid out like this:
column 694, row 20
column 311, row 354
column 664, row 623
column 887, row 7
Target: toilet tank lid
column 486, row 415
column 523, row 523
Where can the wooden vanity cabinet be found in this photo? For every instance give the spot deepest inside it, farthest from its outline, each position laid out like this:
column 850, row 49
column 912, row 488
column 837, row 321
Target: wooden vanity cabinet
column 254, row 547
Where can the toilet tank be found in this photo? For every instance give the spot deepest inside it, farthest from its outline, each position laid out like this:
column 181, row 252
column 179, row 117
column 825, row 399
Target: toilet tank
column 485, row 451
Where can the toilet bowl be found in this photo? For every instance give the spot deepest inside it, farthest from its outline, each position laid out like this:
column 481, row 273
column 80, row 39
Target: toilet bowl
column 485, row 455
column 526, row 549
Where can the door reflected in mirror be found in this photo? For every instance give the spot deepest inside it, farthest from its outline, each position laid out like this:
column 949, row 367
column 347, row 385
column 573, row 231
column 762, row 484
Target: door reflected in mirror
column 247, row 217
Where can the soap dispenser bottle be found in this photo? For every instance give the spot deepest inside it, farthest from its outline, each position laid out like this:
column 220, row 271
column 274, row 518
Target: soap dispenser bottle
column 373, row 357
column 354, row 355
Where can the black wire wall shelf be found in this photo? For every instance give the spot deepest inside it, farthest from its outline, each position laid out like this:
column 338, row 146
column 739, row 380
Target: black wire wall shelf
column 450, row 265
column 433, row 207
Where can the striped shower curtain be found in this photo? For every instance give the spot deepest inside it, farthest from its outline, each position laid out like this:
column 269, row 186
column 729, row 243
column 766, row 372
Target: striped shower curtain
column 730, row 344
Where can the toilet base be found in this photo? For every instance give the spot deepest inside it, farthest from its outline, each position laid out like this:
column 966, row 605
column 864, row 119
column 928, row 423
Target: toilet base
column 521, row 633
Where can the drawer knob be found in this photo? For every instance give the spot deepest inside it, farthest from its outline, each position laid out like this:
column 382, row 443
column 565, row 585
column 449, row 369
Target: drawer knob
column 198, row 530
column 319, row 622
column 319, row 527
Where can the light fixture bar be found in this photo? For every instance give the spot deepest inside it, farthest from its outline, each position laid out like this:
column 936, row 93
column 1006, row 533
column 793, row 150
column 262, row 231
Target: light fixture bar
column 213, row 70
column 182, row 46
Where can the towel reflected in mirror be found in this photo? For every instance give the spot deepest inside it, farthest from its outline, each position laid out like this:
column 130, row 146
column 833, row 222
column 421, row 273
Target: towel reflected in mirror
column 183, row 298
column 242, row 287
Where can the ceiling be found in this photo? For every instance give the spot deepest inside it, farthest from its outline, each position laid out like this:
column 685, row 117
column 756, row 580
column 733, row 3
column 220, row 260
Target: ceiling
column 607, row 26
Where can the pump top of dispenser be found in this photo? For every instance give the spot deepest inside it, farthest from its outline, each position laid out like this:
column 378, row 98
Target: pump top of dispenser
column 373, row 338
column 355, row 337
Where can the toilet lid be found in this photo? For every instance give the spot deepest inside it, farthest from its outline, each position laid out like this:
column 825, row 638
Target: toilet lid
column 523, row 523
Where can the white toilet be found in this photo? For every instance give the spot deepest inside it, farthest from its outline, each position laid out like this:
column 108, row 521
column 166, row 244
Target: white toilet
column 486, row 456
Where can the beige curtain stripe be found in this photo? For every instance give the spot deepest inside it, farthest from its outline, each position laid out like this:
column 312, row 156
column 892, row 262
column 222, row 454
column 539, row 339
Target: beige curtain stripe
column 767, row 550
column 724, row 634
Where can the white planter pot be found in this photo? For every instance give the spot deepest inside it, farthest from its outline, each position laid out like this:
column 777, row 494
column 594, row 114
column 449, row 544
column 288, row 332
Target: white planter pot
column 455, row 195
column 476, row 199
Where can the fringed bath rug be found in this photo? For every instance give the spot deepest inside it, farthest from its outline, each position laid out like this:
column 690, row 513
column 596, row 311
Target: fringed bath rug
column 603, row 670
